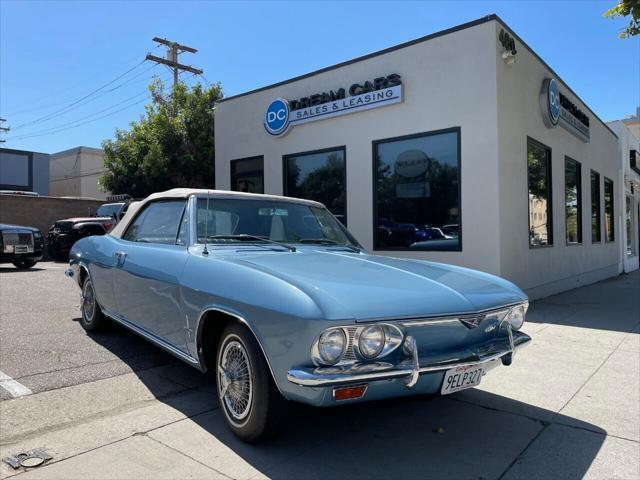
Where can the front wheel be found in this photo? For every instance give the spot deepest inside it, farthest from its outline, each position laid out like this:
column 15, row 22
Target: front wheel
column 23, row 264
column 248, row 396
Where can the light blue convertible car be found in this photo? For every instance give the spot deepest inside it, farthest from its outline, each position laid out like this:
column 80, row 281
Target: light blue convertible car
column 277, row 298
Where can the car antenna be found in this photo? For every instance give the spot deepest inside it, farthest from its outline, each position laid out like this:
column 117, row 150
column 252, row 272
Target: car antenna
column 205, row 251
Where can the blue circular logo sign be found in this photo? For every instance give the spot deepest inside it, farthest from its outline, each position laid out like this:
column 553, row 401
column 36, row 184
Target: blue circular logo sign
column 554, row 101
column 276, row 118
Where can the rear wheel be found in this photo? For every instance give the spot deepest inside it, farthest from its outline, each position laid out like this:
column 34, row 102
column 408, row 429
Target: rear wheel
column 92, row 317
column 23, row 264
column 248, row 396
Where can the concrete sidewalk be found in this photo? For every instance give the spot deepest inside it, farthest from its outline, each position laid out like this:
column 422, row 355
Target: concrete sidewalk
column 569, row 407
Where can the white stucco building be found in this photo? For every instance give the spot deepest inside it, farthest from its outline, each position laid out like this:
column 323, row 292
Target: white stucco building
column 463, row 146
column 75, row 173
column 629, row 193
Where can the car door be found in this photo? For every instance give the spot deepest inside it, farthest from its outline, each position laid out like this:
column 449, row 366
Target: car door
column 150, row 261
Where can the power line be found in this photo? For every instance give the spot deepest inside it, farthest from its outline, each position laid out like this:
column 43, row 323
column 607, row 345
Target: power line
column 83, row 123
column 174, row 49
column 64, row 110
column 73, row 177
column 93, row 92
column 82, row 82
column 55, row 127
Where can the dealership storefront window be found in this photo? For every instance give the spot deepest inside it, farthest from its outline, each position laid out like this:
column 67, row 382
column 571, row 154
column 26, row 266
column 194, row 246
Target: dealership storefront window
column 609, row 232
column 247, row 175
column 595, row 207
column 573, row 200
column 539, row 181
column 628, row 215
column 319, row 175
column 417, row 192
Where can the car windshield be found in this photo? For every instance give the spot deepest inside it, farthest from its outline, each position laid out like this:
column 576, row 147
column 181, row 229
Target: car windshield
column 231, row 221
column 108, row 210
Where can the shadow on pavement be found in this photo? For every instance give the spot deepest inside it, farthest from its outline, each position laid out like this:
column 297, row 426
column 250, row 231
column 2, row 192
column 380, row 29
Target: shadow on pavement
column 613, row 304
column 460, row 436
column 11, row 269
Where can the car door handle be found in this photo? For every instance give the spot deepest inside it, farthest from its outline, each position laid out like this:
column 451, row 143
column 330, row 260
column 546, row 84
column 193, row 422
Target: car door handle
column 121, row 254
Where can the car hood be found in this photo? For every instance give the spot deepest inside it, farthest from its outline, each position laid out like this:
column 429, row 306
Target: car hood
column 363, row 286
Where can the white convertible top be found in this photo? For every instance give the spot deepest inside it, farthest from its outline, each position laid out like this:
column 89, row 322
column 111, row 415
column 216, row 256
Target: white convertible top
column 134, row 207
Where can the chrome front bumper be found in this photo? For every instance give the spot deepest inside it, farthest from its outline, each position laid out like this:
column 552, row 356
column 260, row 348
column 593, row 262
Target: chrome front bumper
column 410, row 369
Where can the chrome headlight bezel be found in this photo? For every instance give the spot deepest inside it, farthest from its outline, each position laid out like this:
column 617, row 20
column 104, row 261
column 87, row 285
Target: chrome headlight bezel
column 516, row 316
column 393, row 338
column 364, row 336
column 319, row 356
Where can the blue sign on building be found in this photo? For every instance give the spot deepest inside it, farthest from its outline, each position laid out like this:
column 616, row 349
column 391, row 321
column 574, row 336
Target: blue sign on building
column 276, row 118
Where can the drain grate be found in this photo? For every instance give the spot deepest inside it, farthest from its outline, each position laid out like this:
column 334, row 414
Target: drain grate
column 32, row 458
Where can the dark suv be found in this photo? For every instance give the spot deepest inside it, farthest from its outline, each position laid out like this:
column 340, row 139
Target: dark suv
column 64, row 233
column 21, row 246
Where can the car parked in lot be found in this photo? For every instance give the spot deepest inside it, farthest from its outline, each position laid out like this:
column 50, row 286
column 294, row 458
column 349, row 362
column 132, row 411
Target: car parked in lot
column 22, row 246
column 64, row 233
column 279, row 300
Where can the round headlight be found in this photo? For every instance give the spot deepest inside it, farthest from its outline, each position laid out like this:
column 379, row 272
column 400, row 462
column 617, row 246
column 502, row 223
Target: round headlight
column 331, row 345
column 371, row 341
column 516, row 317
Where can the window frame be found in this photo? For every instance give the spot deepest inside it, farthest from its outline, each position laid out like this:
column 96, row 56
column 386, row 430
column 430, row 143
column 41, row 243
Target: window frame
column 599, row 207
column 233, row 162
column 342, row 148
column 149, row 204
column 374, row 145
column 550, row 244
column 569, row 160
column 613, row 209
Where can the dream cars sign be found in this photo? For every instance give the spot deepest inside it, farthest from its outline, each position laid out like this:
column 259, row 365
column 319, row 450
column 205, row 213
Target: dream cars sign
column 282, row 114
column 558, row 109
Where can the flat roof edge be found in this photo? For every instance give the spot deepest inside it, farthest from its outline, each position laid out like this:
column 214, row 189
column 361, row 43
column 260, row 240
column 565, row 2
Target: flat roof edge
column 463, row 26
column 361, row 58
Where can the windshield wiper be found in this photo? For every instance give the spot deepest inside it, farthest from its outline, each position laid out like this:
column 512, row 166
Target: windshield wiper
column 244, row 236
column 326, row 241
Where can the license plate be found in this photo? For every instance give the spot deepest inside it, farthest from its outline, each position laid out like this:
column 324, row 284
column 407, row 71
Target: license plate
column 21, row 249
column 461, row 378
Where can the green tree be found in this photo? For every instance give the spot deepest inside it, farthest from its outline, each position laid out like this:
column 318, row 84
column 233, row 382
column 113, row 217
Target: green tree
column 624, row 8
column 171, row 145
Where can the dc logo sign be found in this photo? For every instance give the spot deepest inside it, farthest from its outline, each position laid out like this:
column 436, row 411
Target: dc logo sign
column 276, row 118
column 554, row 101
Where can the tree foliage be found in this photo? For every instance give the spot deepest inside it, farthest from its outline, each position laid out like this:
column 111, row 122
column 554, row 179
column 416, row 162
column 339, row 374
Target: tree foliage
column 171, row 145
column 624, row 8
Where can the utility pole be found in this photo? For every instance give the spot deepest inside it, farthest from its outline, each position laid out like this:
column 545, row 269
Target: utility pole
column 173, row 50
column 3, row 129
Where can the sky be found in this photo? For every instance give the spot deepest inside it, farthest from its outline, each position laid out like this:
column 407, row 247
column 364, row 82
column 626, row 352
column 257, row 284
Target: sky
column 54, row 54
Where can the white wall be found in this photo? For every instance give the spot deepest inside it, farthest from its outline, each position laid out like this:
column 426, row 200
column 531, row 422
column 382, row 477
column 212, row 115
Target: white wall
column 542, row 271
column 628, row 141
column 64, row 171
column 75, row 173
column 448, row 81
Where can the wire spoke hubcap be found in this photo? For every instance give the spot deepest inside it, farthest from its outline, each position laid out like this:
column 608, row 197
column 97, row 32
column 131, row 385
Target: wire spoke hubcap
column 235, row 384
column 88, row 302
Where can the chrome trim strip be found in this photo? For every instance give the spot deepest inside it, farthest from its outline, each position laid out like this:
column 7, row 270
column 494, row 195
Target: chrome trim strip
column 151, row 337
column 448, row 317
column 311, row 379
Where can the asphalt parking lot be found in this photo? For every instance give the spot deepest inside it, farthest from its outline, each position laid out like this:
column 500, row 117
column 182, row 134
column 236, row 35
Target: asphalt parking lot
column 113, row 406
